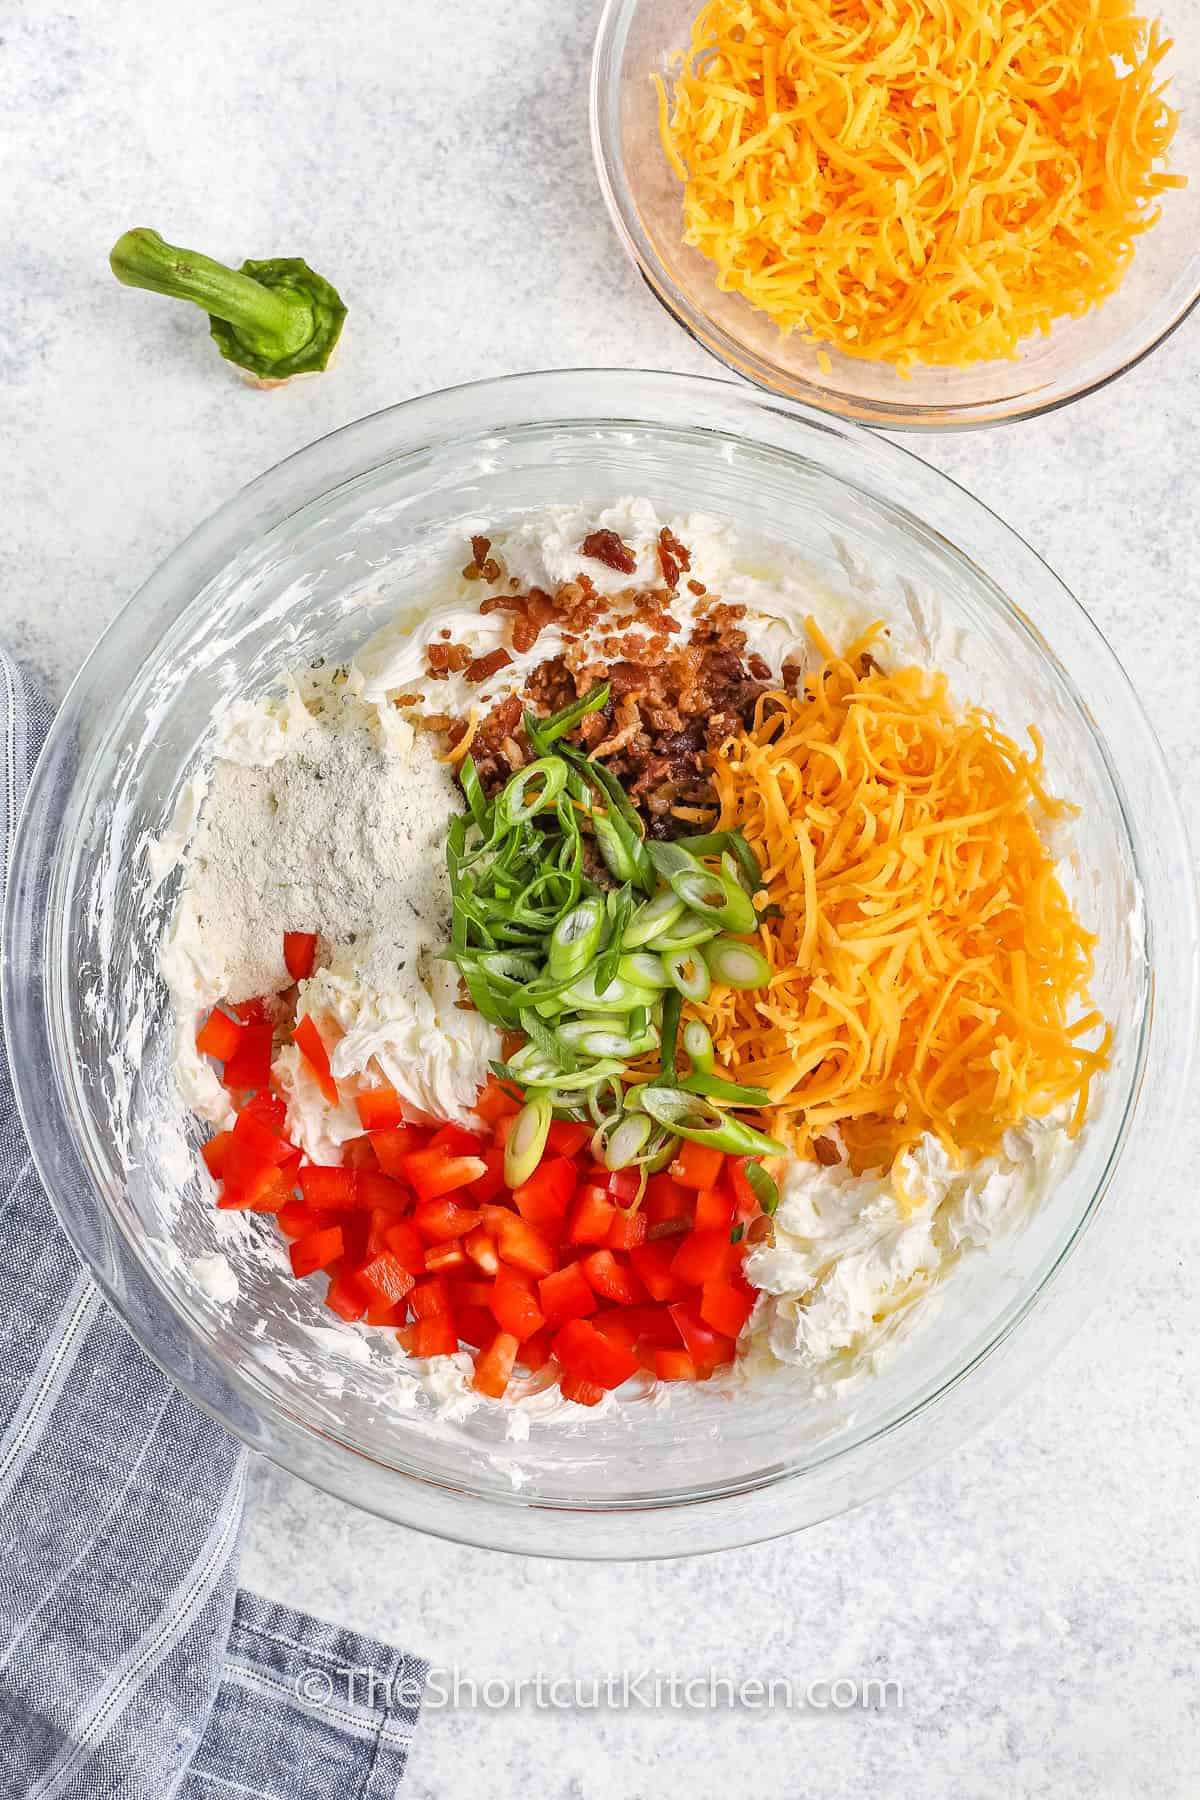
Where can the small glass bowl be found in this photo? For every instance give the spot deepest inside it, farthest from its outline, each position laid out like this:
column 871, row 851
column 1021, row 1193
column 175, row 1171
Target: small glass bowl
column 307, row 562
column 636, row 39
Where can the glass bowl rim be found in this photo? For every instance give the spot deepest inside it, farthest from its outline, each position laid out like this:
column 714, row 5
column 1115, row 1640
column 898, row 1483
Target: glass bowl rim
column 739, row 357
column 262, row 506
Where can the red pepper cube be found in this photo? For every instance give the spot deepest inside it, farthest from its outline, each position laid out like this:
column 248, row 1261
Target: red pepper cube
column 433, row 1173
column 358, row 1153
column 696, row 1166
column 674, row 1365
column 299, row 953
column 583, row 1393
column 296, row 1218
column 585, row 1352
column 491, row 1184
column 702, row 1256
column 610, row 1279
column 437, row 1336
column 535, row 1351
column 514, row 1303
column 666, row 1202
column 219, row 1036
column 391, row 1148
column 566, row 1295
column 567, row 1137
column 456, row 1140
column 494, row 1366
column 722, row 1307
column 439, row 1220
column 381, row 1193
column 316, row 1251
column 652, row 1264
column 522, row 1245
column 250, row 1064
column 714, row 1209
column 476, row 1325
column 387, row 1277
column 347, row 1297
column 429, row 1299
column 624, row 1186
column 480, row 1246
column 406, row 1244
column 263, row 1189
column 447, row 1258
column 329, row 1187
column 495, row 1102
column 544, row 1198
column 379, row 1109
column 591, row 1217
column 626, row 1230
column 215, row 1152
column 707, row 1348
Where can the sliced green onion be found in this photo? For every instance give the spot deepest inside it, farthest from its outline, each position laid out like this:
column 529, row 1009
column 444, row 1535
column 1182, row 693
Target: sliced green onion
column 652, row 917
column 715, row 843
column 697, row 1041
column 737, row 965
column 715, row 1087
column 530, row 1068
column 560, row 723
column 619, row 996
column 620, row 906
column 684, row 934
column 688, row 971
column 628, row 1141
column 576, row 939
column 547, row 777
column 718, row 898
column 597, row 1036
column 690, row 1116
column 545, row 1040
column 472, row 788
column 642, row 970
column 508, row 966
column 604, row 1101
column 527, row 1139
column 671, row 859
column 668, row 1062
column 766, row 1192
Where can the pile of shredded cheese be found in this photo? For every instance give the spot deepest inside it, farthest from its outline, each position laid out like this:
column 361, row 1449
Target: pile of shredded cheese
column 920, row 181
column 928, row 972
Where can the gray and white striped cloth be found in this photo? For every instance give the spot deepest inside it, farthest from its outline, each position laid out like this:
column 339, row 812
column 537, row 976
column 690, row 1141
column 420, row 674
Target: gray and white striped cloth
column 131, row 1666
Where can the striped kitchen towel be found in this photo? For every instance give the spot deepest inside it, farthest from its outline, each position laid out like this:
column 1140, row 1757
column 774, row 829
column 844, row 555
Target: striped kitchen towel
column 131, row 1667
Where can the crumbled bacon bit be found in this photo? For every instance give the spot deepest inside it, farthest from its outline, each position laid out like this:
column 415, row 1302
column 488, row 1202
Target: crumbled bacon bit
column 479, row 549
column 442, row 658
column 759, row 667
column 407, row 699
column 697, row 587
column 607, row 548
column 484, row 667
column 674, row 558
column 436, row 722
column 483, row 567
column 825, row 1151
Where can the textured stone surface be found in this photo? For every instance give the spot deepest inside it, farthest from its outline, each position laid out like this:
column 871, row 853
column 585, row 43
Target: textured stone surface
column 1036, row 1593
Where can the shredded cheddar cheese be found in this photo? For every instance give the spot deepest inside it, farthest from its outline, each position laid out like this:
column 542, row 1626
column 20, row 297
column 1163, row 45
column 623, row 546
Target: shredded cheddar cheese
column 920, row 180
column 928, row 972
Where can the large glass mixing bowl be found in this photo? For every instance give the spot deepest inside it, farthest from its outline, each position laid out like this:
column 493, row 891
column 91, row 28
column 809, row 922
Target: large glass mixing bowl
column 305, row 563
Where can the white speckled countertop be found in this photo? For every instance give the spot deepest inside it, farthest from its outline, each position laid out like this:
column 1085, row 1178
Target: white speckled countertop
column 1036, row 1594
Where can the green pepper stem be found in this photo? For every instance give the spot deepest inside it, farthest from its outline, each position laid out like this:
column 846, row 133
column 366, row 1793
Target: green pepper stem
column 270, row 322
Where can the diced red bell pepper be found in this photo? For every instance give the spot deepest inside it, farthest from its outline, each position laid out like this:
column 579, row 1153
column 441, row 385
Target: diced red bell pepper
column 347, row 1297
column 311, row 1047
column 391, row 1148
column 514, row 1303
column 722, row 1307
column 215, row 1152
column 611, row 1279
column 430, row 1298
column 544, row 1198
column 480, row 1246
column 707, row 1348
column 652, row 1263
column 262, row 1188
column 617, row 1326
column 439, row 1220
column 447, row 1258
column 502, row 1128
column 491, row 1183
column 745, row 1198
column 296, row 1218
column 567, row 1137
column 495, row 1102
column 702, row 1256
column 566, row 1295
column 299, row 953
column 624, row 1185
column 494, row 1366
column 466, row 1289
column 525, row 1247
column 714, row 1209
column 649, row 1324
column 406, row 1245
column 387, row 1277
column 359, row 1153
column 379, row 1109
column 382, row 1312
column 456, row 1140
column 437, row 1336
column 250, row 1064
column 406, row 1337
column 535, row 1351
column 585, row 1352
column 379, row 1192
column 219, row 1036
column 476, row 1325
column 252, row 1012
column 378, row 1226
column 583, row 1393
column 356, row 1229
column 627, row 1229
column 436, row 1172
column 666, row 1203
column 674, row 1365
column 334, row 1188
column 257, row 1136
column 316, row 1250
column 696, row 1166
column 591, row 1217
